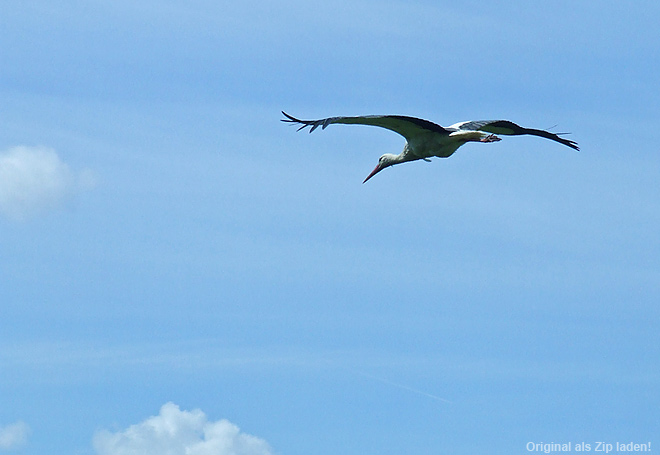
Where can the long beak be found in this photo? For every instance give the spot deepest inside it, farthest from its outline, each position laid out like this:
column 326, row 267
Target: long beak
column 376, row 170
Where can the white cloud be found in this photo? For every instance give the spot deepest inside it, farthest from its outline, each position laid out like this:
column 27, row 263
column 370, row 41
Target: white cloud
column 33, row 179
column 176, row 432
column 13, row 436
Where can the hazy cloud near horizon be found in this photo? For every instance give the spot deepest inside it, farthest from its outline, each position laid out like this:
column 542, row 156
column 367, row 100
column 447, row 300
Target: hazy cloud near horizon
column 14, row 435
column 35, row 179
column 177, row 432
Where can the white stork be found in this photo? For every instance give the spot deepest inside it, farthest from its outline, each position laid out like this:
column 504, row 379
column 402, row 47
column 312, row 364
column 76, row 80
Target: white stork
column 426, row 139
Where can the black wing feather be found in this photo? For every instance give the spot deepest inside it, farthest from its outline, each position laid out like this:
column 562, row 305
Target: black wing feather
column 506, row 127
column 406, row 126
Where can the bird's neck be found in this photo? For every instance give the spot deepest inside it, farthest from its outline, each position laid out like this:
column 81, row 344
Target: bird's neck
column 406, row 155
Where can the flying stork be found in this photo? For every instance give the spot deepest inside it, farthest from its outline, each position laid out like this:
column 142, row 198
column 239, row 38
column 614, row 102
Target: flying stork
column 426, row 139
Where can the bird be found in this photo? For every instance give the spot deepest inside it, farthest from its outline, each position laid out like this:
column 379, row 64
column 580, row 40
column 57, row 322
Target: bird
column 425, row 139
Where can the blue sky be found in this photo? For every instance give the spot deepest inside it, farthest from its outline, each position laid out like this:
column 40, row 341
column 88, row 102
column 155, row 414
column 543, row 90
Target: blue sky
column 182, row 271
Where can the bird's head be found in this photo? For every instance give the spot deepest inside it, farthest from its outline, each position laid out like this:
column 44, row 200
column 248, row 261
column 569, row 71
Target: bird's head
column 384, row 161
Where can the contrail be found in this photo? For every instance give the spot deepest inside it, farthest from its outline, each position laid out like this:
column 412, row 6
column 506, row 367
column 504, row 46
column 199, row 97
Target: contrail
column 401, row 386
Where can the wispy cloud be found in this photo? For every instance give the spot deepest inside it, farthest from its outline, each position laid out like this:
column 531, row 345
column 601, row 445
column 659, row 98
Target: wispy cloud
column 177, row 432
column 34, row 179
column 13, row 436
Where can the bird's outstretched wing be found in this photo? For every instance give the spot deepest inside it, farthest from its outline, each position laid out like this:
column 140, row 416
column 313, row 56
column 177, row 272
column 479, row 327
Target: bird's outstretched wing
column 406, row 126
column 506, row 127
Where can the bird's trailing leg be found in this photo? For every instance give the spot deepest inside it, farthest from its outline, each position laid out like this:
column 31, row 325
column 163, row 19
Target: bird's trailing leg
column 490, row 138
